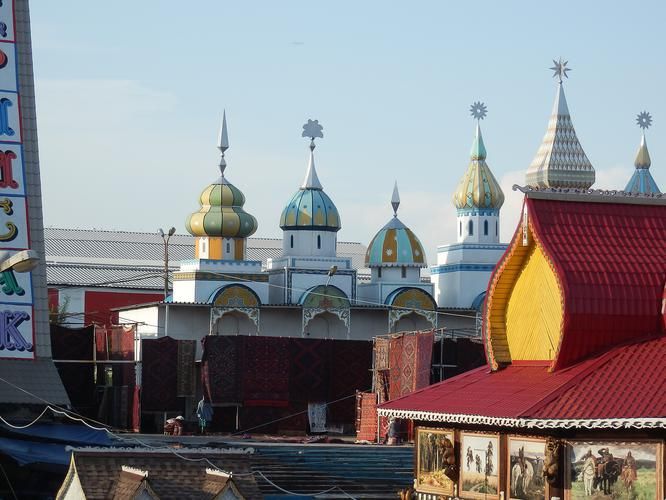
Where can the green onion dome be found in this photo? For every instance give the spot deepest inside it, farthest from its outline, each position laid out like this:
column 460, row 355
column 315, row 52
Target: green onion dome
column 395, row 245
column 221, row 213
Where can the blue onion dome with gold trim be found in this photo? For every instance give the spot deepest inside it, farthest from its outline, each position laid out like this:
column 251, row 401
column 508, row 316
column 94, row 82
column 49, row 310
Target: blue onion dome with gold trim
column 478, row 189
column 395, row 244
column 221, row 213
column 310, row 208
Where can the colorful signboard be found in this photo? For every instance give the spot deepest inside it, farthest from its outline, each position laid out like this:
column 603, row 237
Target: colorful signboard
column 16, row 300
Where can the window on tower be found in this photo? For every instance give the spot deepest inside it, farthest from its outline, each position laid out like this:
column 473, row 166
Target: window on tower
column 485, row 228
column 403, row 271
column 496, row 228
column 379, row 272
column 470, row 228
column 460, row 230
column 291, row 241
column 318, row 241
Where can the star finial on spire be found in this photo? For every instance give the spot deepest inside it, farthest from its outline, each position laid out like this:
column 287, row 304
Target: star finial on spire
column 644, row 120
column 223, row 141
column 395, row 199
column 478, row 110
column 560, row 69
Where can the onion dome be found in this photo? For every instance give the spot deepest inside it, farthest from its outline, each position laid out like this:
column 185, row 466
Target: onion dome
column 641, row 181
column 311, row 208
column 395, row 244
column 478, row 189
column 560, row 161
column 221, row 213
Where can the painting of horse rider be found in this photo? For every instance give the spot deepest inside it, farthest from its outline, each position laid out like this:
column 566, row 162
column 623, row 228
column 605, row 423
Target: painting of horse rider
column 617, row 470
column 436, row 466
column 479, row 476
column 525, row 473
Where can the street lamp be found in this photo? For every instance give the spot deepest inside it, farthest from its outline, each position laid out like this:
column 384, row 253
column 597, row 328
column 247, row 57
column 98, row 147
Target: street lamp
column 165, row 239
column 22, row 261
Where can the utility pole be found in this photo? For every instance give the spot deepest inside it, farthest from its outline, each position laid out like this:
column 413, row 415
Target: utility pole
column 165, row 240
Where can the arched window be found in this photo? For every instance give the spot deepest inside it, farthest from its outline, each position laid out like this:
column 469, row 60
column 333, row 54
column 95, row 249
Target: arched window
column 496, row 228
column 291, row 241
column 403, row 271
column 485, row 228
column 470, row 228
column 460, row 230
column 318, row 241
column 228, row 248
column 379, row 272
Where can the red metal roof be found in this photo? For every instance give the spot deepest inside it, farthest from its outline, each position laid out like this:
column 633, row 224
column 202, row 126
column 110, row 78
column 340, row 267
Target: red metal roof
column 611, row 261
column 627, row 382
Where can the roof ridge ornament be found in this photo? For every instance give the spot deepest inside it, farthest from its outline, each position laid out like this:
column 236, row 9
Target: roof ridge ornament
column 478, row 110
column 223, row 142
column 560, row 69
column 395, row 199
column 312, row 129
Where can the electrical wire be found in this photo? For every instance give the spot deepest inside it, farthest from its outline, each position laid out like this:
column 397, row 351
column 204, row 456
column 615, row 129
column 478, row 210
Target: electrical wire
column 80, row 418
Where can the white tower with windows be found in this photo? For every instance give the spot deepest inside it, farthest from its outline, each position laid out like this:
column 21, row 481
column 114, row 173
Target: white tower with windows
column 463, row 269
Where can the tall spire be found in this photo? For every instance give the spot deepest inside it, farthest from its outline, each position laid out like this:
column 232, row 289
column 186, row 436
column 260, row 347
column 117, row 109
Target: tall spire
column 642, row 181
column 478, row 188
column 560, row 161
column 223, row 142
column 312, row 129
column 395, row 199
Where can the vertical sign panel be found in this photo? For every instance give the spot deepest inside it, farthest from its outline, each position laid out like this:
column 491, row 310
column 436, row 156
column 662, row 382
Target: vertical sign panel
column 16, row 302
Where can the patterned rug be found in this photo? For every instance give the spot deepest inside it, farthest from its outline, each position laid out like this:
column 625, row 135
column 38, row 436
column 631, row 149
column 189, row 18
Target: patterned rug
column 309, row 369
column 159, row 377
column 408, row 364
column 266, row 371
column 220, row 368
column 382, row 353
column 72, row 343
column 424, row 344
column 395, row 364
column 350, row 368
column 121, row 342
column 185, row 376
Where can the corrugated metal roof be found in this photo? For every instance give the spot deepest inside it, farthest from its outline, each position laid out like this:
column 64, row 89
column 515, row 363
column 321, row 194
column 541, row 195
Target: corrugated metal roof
column 38, row 379
column 121, row 259
column 633, row 379
column 611, row 261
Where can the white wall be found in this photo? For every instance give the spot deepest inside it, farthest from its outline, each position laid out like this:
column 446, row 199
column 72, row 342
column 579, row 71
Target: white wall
column 305, row 243
column 478, row 235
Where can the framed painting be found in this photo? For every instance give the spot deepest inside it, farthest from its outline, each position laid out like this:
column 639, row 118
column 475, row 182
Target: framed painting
column 479, row 470
column 435, row 461
column 622, row 470
column 524, row 473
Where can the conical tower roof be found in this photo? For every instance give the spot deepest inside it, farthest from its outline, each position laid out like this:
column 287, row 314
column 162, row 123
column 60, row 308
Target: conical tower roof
column 641, row 181
column 478, row 188
column 560, row 161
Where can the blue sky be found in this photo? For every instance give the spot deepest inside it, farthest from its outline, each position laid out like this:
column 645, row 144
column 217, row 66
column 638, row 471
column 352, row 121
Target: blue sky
column 130, row 96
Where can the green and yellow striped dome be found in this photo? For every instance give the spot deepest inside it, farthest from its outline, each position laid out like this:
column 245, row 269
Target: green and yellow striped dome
column 478, row 188
column 221, row 213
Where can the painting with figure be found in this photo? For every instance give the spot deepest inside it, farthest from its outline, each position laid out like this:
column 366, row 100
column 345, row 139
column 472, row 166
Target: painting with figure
column 479, row 476
column 612, row 469
column 436, row 467
column 525, row 479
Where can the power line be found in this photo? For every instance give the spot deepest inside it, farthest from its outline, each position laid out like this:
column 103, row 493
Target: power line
column 80, row 418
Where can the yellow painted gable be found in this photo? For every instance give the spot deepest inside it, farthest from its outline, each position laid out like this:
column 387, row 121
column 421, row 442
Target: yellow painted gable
column 534, row 311
column 524, row 306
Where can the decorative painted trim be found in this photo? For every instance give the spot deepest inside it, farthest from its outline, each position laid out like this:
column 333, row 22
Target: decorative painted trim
column 396, row 314
column 475, row 212
column 216, row 313
column 472, row 246
column 205, row 276
column 310, row 313
column 528, row 423
column 592, row 195
column 452, row 268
